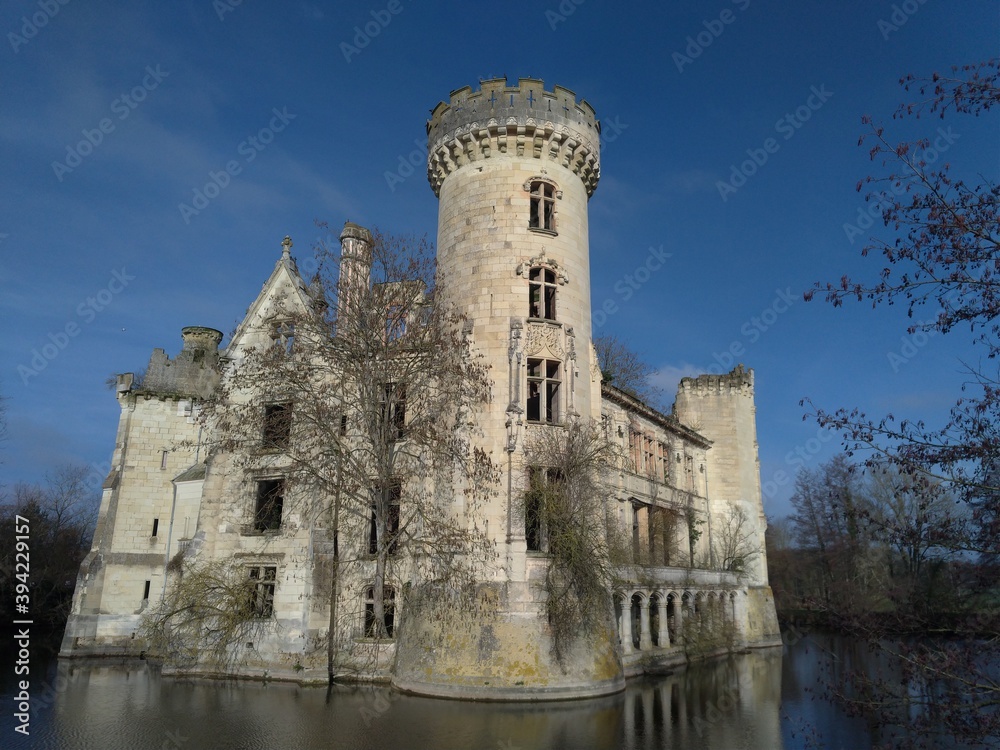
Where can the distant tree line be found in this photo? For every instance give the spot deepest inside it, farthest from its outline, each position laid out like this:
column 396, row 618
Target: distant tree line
column 61, row 514
column 906, row 551
column 876, row 542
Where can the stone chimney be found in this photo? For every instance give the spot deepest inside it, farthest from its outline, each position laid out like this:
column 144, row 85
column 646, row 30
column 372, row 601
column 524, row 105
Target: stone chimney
column 355, row 271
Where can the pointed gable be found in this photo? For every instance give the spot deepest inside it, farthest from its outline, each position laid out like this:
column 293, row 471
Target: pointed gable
column 283, row 294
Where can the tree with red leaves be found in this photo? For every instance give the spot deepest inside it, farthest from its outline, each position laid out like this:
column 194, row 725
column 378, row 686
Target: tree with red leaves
column 946, row 256
column 944, row 262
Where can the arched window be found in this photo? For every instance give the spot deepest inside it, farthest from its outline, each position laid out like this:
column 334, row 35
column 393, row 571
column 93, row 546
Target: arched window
column 543, row 206
column 636, row 614
column 542, row 293
column 388, row 625
column 654, row 619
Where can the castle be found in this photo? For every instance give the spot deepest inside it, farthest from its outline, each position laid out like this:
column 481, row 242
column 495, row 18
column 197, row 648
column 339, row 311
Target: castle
column 513, row 168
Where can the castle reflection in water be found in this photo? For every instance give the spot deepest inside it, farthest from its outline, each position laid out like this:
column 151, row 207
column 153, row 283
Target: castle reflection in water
column 732, row 703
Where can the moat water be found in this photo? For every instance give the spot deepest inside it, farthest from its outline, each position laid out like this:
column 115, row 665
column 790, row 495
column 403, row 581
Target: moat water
column 761, row 700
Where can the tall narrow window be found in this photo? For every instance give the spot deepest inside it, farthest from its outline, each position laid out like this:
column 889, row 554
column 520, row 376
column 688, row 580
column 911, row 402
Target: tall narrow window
column 388, row 499
column 534, row 500
column 542, row 293
column 544, row 380
column 145, row 591
column 653, row 523
column 649, row 448
column 270, row 500
column 260, row 590
column 277, row 426
column 156, row 526
column 543, row 484
column 393, row 411
column 635, row 534
column 372, row 629
column 543, row 206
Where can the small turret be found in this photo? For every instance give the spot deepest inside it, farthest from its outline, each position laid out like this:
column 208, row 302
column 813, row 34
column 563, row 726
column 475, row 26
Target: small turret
column 201, row 339
column 355, row 268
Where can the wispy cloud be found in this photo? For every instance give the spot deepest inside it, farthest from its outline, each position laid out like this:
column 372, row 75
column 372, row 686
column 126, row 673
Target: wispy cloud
column 668, row 376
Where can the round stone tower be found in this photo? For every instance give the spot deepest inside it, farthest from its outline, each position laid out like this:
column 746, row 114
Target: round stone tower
column 514, row 168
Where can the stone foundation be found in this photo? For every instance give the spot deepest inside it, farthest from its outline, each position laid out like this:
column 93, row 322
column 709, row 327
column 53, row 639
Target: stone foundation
column 485, row 646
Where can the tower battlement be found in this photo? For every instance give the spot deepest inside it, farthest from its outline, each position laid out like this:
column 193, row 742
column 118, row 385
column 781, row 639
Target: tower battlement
column 738, row 379
column 193, row 372
column 521, row 120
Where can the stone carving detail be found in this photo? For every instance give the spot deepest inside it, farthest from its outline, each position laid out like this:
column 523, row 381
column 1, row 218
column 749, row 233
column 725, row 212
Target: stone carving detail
column 514, row 408
column 541, row 260
column 542, row 336
column 595, row 371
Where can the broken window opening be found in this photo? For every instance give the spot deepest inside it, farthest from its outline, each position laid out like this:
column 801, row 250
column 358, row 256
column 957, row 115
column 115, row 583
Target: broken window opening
column 283, row 336
column 541, row 483
column 393, row 411
column 388, row 612
column 277, row 426
column 542, row 293
column 270, row 500
column 388, row 497
column 260, row 592
column 395, row 322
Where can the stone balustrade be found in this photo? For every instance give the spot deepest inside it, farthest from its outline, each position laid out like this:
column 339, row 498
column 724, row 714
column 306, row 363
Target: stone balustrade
column 655, row 607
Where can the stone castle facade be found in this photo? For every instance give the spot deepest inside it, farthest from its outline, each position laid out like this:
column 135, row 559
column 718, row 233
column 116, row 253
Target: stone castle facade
column 513, row 168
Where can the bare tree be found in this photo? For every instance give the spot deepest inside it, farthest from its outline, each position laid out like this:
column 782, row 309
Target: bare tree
column 941, row 260
column 735, row 540
column 564, row 507
column 60, row 515
column 943, row 263
column 919, row 523
column 361, row 400
column 625, row 370
column 209, row 607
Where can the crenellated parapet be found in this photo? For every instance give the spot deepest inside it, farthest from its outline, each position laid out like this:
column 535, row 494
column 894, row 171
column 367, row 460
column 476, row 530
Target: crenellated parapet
column 523, row 120
column 739, row 379
column 194, row 372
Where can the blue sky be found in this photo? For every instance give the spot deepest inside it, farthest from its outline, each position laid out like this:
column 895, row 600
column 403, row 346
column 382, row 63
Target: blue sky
column 93, row 239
